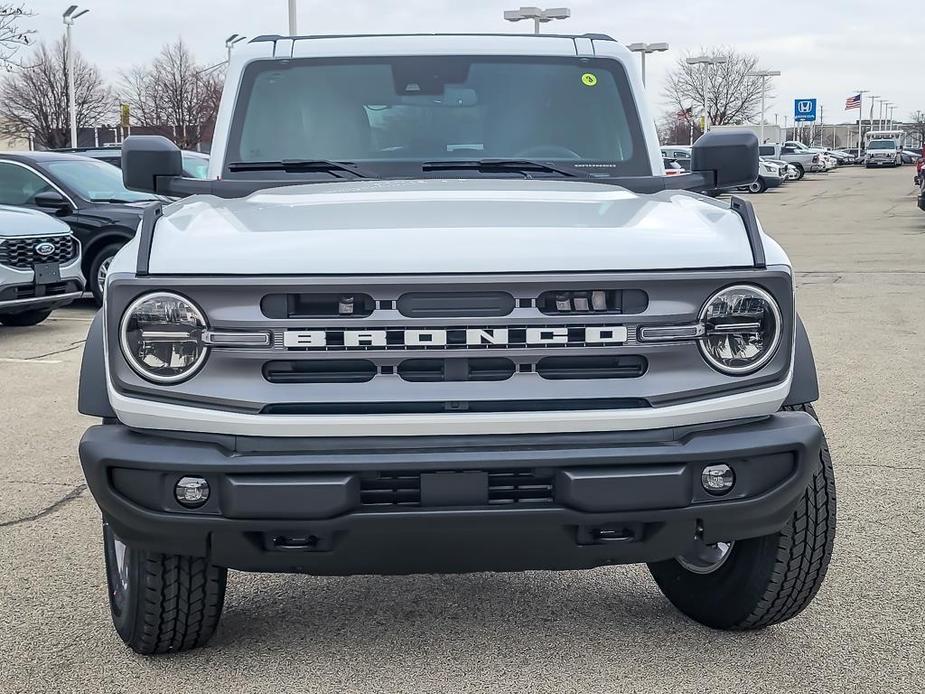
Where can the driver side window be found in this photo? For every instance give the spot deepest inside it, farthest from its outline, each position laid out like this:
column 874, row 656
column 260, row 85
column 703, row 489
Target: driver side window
column 19, row 185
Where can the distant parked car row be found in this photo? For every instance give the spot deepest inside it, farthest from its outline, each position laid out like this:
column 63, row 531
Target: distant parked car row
column 195, row 164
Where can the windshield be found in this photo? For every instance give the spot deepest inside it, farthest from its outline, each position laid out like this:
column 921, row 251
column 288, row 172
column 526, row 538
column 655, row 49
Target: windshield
column 95, row 181
column 389, row 112
column 882, row 144
column 195, row 165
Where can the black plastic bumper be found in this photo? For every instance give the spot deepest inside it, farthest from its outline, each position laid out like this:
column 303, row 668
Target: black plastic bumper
column 453, row 504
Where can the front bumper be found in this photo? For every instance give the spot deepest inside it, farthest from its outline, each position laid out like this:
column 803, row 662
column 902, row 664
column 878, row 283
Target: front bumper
column 449, row 504
column 19, row 292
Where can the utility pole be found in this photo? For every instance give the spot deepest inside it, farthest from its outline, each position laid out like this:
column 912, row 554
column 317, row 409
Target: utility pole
column 763, row 75
column 69, row 16
column 293, row 19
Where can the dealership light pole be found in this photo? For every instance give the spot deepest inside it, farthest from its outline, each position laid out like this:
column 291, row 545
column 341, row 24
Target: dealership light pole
column 644, row 49
column 71, row 14
column 293, row 19
column 538, row 15
column 231, row 42
column 763, row 75
column 706, row 61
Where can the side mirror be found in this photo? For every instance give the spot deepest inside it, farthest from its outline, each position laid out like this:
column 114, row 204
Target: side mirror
column 148, row 161
column 51, row 200
column 731, row 156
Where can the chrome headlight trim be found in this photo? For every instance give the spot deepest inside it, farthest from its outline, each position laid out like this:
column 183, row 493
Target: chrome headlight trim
column 768, row 355
column 132, row 362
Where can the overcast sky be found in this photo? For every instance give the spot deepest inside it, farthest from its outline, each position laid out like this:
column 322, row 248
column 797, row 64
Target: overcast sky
column 827, row 49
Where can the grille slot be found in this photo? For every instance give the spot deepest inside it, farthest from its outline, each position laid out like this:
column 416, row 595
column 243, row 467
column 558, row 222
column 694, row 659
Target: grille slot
column 596, row 301
column 320, row 305
column 20, row 253
column 391, row 489
column 505, row 487
column 456, row 304
column 440, row 370
column 320, row 371
column 520, row 487
column 571, row 368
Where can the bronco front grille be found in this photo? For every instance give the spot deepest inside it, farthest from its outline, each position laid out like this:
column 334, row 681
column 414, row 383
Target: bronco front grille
column 21, row 253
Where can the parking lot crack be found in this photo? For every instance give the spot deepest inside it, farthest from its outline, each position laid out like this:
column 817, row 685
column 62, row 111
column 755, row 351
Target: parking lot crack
column 71, row 348
column 48, row 510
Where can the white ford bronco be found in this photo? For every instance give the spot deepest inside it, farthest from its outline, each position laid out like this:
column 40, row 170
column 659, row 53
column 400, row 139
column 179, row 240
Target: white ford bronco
column 437, row 309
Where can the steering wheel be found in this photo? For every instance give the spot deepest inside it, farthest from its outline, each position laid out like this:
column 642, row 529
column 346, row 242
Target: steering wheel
column 550, row 151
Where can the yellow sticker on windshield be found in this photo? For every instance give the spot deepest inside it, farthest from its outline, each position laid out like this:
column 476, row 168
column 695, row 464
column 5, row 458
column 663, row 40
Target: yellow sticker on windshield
column 589, row 79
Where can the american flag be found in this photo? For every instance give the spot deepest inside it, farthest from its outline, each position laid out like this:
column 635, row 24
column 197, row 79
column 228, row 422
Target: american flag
column 853, row 103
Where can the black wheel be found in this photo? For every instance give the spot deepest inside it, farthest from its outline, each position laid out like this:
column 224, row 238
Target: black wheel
column 25, row 318
column 801, row 172
column 758, row 186
column 161, row 603
column 752, row 584
column 99, row 268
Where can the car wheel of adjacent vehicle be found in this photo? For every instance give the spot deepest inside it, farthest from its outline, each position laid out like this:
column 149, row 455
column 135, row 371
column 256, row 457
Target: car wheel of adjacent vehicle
column 99, row 268
column 758, row 186
column 161, row 603
column 752, row 584
column 25, row 318
column 801, row 172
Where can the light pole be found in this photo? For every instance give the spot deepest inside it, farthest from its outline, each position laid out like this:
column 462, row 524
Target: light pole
column 644, row 49
column 231, row 42
column 883, row 102
column 706, row 61
column 71, row 14
column 892, row 120
column 293, row 19
column 763, row 75
column 538, row 15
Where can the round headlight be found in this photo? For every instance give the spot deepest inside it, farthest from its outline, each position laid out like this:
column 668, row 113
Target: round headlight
column 742, row 329
column 161, row 336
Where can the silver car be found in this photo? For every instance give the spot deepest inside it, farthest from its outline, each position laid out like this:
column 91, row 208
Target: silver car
column 39, row 266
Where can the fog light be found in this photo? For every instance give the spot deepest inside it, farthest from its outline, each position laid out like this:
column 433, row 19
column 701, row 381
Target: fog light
column 718, row 479
column 192, row 492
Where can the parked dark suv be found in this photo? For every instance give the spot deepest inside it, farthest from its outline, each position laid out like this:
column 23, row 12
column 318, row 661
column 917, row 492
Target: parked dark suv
column 85, row 193
column 195, row 164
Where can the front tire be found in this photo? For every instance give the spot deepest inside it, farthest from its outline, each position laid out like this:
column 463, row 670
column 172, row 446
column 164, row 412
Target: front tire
column 758, row 186
column 801, row 172
column 752, row 584
column 99, row 268
column 161, row 603
column 25, row 318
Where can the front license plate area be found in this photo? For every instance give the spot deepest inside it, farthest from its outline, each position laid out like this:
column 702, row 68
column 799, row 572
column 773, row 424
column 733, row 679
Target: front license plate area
column 454, row 489
column 47, row 273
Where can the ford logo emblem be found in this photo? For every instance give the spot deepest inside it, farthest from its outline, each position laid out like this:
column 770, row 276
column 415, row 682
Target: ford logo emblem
column 45, row 249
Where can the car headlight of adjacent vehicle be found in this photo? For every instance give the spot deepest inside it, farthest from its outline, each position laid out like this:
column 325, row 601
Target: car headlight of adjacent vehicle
column 742, row 329
column 162, row 337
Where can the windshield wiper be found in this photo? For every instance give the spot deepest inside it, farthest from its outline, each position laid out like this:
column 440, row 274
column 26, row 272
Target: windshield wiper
column 524, row 166
column 302, row 165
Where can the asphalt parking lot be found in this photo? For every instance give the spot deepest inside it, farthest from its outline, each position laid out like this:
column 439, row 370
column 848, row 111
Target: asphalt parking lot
column 858, row 242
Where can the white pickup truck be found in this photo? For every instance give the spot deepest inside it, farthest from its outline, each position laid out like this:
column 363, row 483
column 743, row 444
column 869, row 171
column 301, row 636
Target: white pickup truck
column 804, row 161
column 438, row 309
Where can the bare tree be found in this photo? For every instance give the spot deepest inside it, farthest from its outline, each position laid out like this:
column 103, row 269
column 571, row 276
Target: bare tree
column 12, row 37
column 174, row 95
column 916, row 126
column 33, row 100
column 735, row 97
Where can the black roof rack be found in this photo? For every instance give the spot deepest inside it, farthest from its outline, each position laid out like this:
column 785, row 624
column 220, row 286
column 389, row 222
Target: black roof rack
column 265, row 38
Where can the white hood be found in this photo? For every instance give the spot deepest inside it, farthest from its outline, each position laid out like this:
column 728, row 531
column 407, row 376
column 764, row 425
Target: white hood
column 446, row 226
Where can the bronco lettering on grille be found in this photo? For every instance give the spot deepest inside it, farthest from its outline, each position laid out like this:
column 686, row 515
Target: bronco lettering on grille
column 456, row 338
